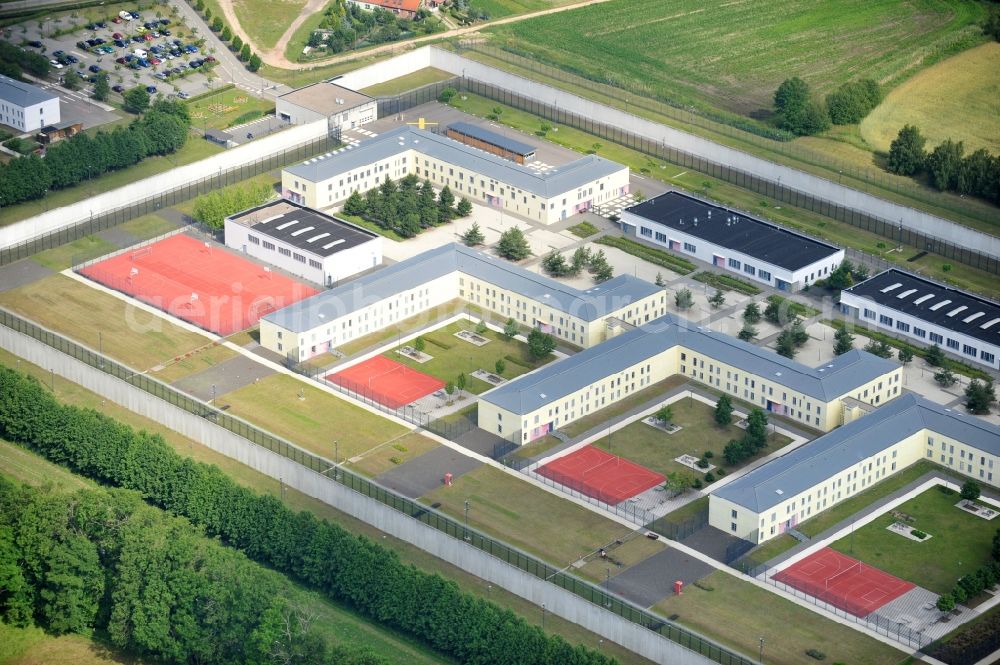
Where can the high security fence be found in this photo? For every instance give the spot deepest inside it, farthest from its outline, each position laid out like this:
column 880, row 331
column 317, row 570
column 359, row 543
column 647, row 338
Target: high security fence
column 892, row 230
column 636, row 96
column 185, row 192
column 455, row 528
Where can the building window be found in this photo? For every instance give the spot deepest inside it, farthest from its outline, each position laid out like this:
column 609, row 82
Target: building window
column 313, row 263
column 905, row 327
column 919, row 332
column 284, row 251
column 688, row 247
column 254, row 240
column 734, row 264
column 661, row 237
column 936, row 338
column 969, row 350
column 952, row 343
column 764, row 275
column 988, row 357
column 300, row 258
column 749, row 269
column 643, row 231
column 269, row 245
column 885, row 320
column 869, row 314
column 732, row 527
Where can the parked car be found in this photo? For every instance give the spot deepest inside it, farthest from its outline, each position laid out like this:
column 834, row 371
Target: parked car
column 151, row 89
column 120, row 61
column 35, row 43
column 56, row 64
column 117, row 19
column 155, row 61
column 191, row 48
column 164, row 21
column 118, row 88
column 165, row 32
column 210, row 58
column 94, row 68
column 148, row 37
column 120, row 43
column 58, row 54
column 117, row 35
column 125, row 16
column 183, row 95
column 83, row 46
column 72, row 59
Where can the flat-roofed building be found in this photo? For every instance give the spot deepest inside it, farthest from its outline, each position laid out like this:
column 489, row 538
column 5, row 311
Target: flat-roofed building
column 730, row 240
column 493, row 142
column 822, row 397
column 318, row 247
column 383, row 298
column 327, row 180
column 342, row 107
column 928, row 313
column 790, row 489
column 26, row 107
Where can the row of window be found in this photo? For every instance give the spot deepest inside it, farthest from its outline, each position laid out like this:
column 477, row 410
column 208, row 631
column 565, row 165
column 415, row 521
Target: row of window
column 935, row 338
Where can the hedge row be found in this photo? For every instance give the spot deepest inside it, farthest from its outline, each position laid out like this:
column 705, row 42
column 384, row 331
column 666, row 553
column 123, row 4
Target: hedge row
column 347, row 568
column 654, row 256
column 726, row 283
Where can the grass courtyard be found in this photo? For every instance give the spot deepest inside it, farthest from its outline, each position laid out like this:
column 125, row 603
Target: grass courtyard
column 315, row 421
column 738, row 614
column 960, row 542
column 131, row 335
column 417, row 79
column 514, row 510
column 391, row 454
column 226, row 108
column 655, row 449
column 454, row 356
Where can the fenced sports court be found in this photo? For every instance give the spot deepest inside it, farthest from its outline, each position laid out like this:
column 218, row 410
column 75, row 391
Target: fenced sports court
column 601, row 475
column 198, row 282
column 386, row 381
column 844, row 582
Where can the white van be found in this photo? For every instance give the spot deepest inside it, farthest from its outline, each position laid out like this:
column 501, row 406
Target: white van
column 125, row 16
column 139, row 53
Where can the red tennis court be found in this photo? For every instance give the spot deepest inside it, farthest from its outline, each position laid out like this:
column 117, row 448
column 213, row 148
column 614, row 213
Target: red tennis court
column 844, row 582
column 601, row 475
column 203, row 284
column 386, row 381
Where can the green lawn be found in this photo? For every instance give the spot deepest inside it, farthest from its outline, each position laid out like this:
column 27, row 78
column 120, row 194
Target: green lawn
column 738, row 613
column 816, row 525
column 527, row 516
column 417, row 79
column 453, row 356
column 684, row 51
column 391, row 454
column 72, row 393
column 314, row 422
column 583, row 229
column 202, row 359
column 265, row 22
column 135, row 337
column 655, row 449
column 769, row 550
column 634, row 550
column 30, row 646
column 194, row 150
column 220, row 110
column 622, row 406
column 799, row 219
column 960, row 542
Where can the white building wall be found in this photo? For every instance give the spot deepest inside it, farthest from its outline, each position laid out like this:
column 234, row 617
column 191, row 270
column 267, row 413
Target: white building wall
column 878, row 316
column 348, row 118
column 730, row 260
column 30, row 118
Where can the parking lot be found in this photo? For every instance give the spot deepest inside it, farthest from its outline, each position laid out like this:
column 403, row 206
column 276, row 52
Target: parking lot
column 132, row 54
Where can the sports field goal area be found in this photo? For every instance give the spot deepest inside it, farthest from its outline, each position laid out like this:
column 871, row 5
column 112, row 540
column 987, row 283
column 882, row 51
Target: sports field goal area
column 601, row 475
column 208, row 286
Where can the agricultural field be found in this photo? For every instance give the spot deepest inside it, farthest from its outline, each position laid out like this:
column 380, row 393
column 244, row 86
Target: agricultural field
column 957, row 99
column 732, row 56
column 265, row 22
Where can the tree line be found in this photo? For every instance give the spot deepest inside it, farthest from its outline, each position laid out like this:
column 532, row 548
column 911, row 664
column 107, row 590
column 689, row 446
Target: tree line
column 242, row 50
column 15, row 60
column 100, row 561
column 212, row 208
column 407, row 207
column 162, row 130
column 596, row 263
column 799, row 112
column 947, row 167
column 347, row 568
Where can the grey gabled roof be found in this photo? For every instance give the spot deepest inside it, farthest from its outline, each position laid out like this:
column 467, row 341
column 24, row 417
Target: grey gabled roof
column 22, row 94
column 546, row 185
column 552, row 382
column 493, row 138
column 588, row 305
column 846, row 446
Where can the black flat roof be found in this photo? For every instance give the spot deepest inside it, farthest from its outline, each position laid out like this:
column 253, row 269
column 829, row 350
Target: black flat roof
column 304, row 228
column 733, row 230
column 493, row 138
column 935, row 303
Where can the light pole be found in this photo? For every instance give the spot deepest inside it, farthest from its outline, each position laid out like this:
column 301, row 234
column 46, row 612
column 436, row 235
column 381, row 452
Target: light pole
column 466, row 519
column 607, row 587
column 543, row 616
column 213, row 394
column 100, row 346
column 336, row 458
column 761, row 650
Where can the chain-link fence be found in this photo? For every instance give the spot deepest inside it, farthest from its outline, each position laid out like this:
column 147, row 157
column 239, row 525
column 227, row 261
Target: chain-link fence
column 185, row 192
column 455, row 528
column 641, row 102
column 846, row 606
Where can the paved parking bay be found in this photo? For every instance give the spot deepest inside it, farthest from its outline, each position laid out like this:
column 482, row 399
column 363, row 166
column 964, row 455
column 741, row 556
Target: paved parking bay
column 649, row 581
column 77, row 107
column 426, row 473
column 226, row 377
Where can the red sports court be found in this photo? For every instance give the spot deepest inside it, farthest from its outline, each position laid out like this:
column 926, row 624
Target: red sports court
column 601, row 475
column 199, row 283
column 844, row 582
column 386, row 381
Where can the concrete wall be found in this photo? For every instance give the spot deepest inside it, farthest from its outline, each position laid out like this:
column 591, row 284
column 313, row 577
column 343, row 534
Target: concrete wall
column 470, row 559
column 831, row 191
column 116, row 198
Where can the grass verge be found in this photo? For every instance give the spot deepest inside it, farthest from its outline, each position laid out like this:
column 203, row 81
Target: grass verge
column 417, row 79
column 623, row 406
column 725, row 282
column 655, row 256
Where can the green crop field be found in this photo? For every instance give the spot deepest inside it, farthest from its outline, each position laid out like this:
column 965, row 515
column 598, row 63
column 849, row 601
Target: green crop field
column 959, row 542
column 265, row 22
column 732, row 55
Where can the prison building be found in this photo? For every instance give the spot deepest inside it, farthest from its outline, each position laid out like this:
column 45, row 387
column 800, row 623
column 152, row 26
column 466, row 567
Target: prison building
column 755, row 250
column 27, row 107
column 317, row 247
column 492, row 142
column 327, row 180
column 919, row 310
column 342, row 107
column 383, row 298
column 777, row 496
column 822, row 397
